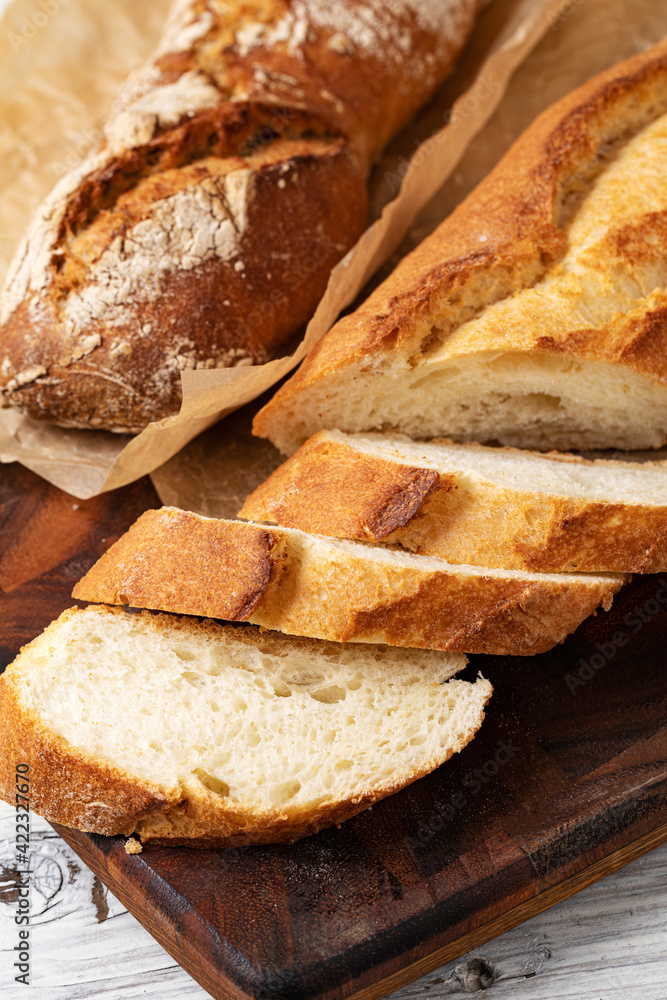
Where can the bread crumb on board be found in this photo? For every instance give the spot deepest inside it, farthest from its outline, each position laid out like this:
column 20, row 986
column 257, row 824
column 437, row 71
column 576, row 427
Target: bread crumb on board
column 133, row 846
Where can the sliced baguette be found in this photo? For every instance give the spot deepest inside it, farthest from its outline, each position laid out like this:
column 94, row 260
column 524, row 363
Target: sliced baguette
column 302, row 584
column 470, row 504
column 209, row 735
column 536, row 314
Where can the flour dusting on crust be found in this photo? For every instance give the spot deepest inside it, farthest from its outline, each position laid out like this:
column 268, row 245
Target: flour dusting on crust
column 85, row 305
column 372, row 25
column 184, row 27
column 144, row 106
column 180, row 233
column 135, row 124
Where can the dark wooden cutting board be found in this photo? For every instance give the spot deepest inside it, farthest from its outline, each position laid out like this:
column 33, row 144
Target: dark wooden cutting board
column 566, row 781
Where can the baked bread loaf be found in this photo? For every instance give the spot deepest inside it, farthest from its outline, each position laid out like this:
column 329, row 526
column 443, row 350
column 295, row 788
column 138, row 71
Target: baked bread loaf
column 536, row 315
column 189, row 732
column 230, row 179
column 471, row 504
column 287, row 580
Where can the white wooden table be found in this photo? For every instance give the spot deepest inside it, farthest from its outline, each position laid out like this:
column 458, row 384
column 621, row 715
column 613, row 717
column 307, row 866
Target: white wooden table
column 609, row 942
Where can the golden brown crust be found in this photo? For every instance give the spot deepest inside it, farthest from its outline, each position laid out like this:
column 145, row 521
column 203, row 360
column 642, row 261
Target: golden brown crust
column 515, row 529
column 330, row 488
column 214, row 315
column 263, row 162
column 234, row 563
column 205, row 824
column 522, row 209
column 70, row 786
column 338, row 591
column 436, row 610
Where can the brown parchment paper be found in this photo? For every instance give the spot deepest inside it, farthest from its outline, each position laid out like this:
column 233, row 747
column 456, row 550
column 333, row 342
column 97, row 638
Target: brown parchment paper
column 61, row 65
column 214, row 474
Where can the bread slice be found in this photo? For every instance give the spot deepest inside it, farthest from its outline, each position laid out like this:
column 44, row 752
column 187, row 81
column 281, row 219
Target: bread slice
column 536, row 315
column 210, row 735
column 285, row 579
column 466, row 503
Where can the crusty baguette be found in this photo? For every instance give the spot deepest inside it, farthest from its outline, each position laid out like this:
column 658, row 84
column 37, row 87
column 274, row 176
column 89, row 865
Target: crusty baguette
column 536, row 315
column 209, row 735
column 284, row 579
column 470, row 504
column 230, row 179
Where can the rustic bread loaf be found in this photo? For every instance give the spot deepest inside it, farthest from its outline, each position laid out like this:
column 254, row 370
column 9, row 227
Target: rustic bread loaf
column 536, row 315
column 287, row 580
column 209, row 735
column 230, row 179
column 470, row 504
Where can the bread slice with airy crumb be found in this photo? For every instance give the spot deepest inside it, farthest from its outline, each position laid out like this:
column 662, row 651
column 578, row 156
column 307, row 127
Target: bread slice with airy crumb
column 471, row 504
column 188, row 732
column 327, row 588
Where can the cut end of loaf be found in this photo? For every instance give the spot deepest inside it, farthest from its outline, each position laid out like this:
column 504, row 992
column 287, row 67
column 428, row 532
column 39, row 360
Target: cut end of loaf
column 530, row 399
column 239, row 735
column 553, row 334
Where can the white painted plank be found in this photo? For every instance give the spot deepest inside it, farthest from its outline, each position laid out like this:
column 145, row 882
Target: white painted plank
column 609, row 941
column 84, row 943
column 606, row 943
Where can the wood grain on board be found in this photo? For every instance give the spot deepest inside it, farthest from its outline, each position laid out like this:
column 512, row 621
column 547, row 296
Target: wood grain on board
column 566, row 781
column 606, row 941
column 48, row 540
